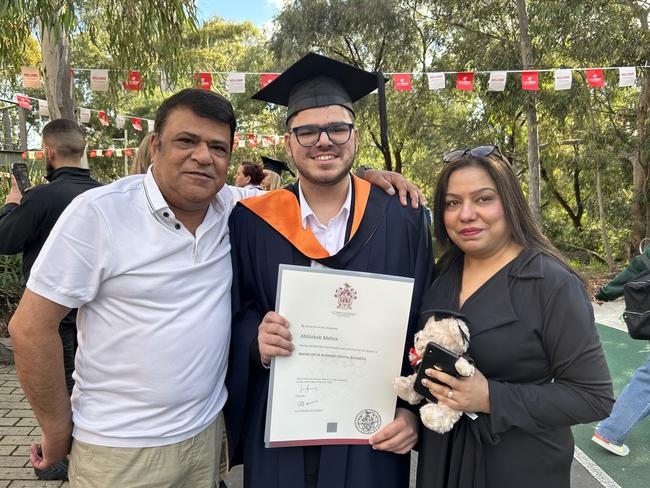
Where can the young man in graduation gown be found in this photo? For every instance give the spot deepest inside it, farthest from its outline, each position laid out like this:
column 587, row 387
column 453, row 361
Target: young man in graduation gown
column 328, row 218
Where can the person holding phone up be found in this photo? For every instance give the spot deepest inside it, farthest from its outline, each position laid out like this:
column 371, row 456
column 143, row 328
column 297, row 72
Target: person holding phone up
column 27, row 219
column 539, row 363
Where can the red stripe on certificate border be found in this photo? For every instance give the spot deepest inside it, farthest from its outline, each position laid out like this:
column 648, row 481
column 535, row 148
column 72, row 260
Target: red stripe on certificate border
column 318, row 442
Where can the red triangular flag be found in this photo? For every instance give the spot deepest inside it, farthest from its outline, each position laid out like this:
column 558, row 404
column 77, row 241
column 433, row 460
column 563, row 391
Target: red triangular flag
column 595, row 78
column 134, row 83
column 128, row 152
column 203, row 81
column 464, row 81
column 136, row 123
column 92, row 153
column 402, row 81
column 24, row 102
column 267, row 78
column 252, row 140
column 108, row 153
column 530, row 80
column 103, row 118
column 39, row 155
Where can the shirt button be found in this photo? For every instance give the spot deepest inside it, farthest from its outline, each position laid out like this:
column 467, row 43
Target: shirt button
column 165, row 214
column 178, row 226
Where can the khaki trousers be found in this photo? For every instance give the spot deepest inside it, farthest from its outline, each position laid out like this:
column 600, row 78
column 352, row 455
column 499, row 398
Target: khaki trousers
column 192, row 463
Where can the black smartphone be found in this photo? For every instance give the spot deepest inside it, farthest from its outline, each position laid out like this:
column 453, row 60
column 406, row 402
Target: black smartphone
column 439, row 358
column 21, row 174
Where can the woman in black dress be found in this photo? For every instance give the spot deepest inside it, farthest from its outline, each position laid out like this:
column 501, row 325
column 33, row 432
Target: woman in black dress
column 539, row 364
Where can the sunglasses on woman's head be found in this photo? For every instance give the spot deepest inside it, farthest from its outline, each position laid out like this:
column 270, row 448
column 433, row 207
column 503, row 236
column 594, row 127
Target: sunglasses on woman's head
column 477, row 152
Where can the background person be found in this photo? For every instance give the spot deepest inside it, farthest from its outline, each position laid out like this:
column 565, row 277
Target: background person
column 273, row 173
column 249, row 175
column 142, row 158
column 633, row 404
column 26, row 222
column 539, row 364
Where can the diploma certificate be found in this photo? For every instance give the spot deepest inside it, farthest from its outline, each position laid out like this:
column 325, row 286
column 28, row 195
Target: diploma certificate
column 349, row 330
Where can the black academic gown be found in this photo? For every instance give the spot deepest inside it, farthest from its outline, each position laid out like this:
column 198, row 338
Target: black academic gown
column 385, row 238
column 533, row 337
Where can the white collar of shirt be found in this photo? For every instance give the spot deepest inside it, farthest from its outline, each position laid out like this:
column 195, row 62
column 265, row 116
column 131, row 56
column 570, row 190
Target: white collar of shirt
column 160, row 207
column 306, row 211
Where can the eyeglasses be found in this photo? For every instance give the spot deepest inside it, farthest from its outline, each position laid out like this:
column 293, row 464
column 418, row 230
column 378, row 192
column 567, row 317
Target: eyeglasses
column 477, row 152
column 308, row 135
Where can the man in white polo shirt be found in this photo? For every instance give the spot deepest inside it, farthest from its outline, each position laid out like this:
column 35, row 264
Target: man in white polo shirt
column 147, row 262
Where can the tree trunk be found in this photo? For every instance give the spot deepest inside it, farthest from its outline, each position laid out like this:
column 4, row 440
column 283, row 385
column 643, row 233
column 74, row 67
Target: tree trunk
column 640, row 170
column 6, row 121
column 22, row 129
column 601, row 216
column 56, row 72
column 531, row 118
column 599, row 185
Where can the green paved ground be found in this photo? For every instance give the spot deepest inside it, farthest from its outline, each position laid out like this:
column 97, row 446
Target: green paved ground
column 624, row 355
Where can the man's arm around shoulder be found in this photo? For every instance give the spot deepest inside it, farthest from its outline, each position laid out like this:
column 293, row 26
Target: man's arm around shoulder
column 39, row 363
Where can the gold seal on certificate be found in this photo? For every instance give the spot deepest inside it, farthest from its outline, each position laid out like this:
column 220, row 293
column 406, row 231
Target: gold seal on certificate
column 349, row 331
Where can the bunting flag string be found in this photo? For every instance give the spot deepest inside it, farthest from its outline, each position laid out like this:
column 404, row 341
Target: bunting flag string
column 235, row 82
column 251, row 140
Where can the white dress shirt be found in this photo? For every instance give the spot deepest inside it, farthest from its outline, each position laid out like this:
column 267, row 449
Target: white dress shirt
column 331, row 235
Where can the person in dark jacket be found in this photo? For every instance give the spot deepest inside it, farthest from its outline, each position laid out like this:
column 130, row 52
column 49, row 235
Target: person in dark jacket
column 633, row 404
column 26, row 220
column 614, row 289
column 539, row 364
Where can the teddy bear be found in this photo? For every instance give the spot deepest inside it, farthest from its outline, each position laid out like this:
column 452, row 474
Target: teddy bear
column 451, row 332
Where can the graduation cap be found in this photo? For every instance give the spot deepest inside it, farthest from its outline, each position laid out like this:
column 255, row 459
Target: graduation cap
column 276, row 166
column 318, row 81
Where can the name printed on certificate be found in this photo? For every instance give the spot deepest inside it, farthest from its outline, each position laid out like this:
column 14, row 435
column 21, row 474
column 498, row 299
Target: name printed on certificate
column 349, row 332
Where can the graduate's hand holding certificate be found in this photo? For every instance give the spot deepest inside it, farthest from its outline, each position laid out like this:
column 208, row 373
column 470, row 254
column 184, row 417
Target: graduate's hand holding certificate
column 273, row 337
column 337, row 342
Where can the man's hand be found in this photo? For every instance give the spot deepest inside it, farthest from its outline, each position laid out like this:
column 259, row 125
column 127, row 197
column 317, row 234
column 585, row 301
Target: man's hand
column 390, row 181
column 399, row 436
column 273, row 337
column 51, row 450
column 14, row 195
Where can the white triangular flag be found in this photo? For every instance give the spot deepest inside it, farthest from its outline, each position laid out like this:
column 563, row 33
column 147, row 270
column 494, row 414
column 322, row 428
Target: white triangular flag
column 150, row 124
column 43, row 109
column 563, row 79
column 99, row 79
column 627, row 76
column 118, row 153
column 84, row 115
column 241, row 143
column 436, row 81
column 497, row 81
column 119, row 121
column 236, row 83
column 31, row 77
column 31, row 154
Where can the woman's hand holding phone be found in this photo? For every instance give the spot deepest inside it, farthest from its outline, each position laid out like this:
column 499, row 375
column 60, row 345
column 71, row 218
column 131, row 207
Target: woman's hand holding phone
column 468, row 394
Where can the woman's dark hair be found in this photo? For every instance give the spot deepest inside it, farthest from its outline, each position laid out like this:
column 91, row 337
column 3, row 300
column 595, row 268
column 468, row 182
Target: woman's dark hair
column 520, row 220
column 203, row 103
column 254, row 172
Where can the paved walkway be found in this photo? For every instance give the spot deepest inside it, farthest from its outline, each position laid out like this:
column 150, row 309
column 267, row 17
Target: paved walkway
column 18, row 429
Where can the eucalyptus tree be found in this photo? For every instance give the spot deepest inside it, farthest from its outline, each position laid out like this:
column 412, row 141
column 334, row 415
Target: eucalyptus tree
column 141, row 35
